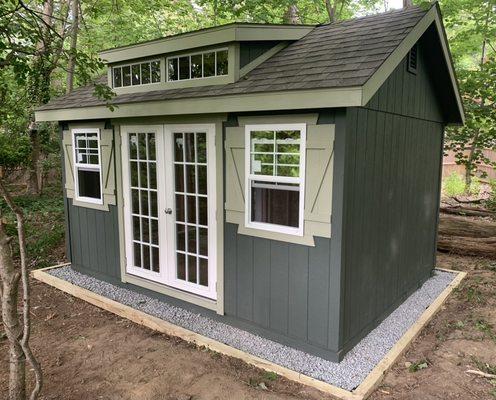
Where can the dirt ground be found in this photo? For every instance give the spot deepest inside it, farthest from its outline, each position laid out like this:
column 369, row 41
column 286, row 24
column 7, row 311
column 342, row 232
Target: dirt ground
column 87, row 353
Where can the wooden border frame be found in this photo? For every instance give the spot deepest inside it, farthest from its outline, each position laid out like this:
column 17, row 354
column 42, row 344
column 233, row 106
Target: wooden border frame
column 369, row 384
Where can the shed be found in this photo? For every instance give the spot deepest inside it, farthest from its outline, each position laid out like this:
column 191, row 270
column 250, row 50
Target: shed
column 284, row 179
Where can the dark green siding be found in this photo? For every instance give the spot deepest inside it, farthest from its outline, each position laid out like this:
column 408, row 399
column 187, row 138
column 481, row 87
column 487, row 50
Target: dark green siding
column 248, row 51
column 280, row 289
column 94, row 240
column 393, row 155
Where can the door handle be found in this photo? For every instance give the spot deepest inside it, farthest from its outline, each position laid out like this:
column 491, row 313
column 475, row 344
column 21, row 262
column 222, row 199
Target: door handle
column 168, row 211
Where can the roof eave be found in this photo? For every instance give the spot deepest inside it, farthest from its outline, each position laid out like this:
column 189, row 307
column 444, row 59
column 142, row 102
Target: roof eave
column 249, row 102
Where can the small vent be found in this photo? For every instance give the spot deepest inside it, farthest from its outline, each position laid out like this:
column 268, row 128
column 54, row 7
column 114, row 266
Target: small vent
column 412, row 60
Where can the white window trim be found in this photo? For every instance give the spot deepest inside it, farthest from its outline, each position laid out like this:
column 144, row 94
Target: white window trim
column 299, row 231
column 194, row 54
column 87, row 167
column 131, row 66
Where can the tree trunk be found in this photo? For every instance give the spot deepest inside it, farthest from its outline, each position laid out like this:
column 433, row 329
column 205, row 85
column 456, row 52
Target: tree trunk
column 292, row 16
column 467, row 211
column 407, row 3
column 39, row 89
column 74, row 35
column 34, row 169
column 485, row 247
column 10, row 277
column 26, row 296
column 450, row 225
column 331, row 10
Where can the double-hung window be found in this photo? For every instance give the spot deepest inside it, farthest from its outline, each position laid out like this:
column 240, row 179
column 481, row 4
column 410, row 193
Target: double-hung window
column 275, row 177
column 87, row 165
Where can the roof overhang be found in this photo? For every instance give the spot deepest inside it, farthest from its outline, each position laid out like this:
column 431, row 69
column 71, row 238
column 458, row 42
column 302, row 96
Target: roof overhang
column 273, row 101
column 236, row 32
column 433, row 16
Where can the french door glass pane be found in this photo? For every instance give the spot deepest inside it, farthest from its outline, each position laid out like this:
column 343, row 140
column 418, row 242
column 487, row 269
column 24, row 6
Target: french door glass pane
column 144, row 200
column 190, row 173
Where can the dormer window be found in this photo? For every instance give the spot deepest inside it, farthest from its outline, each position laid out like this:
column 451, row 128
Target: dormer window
column 136, row 74
column 199, row 65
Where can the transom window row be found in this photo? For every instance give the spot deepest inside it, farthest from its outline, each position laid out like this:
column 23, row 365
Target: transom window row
column 199, row 65
column 136, row 74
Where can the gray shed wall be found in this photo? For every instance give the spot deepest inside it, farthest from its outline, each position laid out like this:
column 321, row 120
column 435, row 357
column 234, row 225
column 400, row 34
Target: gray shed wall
column 391, row 195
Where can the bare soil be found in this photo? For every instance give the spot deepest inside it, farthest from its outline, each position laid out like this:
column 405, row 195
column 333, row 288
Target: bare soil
column 88, row 353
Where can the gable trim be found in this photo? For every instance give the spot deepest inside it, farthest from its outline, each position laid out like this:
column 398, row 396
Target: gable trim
column 386, row 69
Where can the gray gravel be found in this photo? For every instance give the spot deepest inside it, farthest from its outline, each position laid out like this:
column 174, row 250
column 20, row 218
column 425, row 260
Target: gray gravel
column 347, row 374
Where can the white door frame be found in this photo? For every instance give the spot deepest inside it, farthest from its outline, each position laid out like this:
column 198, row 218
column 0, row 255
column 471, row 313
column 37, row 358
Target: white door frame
column 171, row 280
column 166, row 199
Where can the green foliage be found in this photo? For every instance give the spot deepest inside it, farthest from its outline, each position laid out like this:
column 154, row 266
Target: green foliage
column 475, row 186
column 44, row 230
column 454, row 185
column 490, row 202
column 471, row 26
column 270, row 376
column 14, row 150
column 418, row 366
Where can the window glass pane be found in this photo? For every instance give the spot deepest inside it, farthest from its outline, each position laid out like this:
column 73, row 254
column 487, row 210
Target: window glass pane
column 179, row 207
column 145, row 230
column 179, row 178
column 191, row 239
column 202, row 211
column 203, row 272
column 117, row 76
column 190, row 179
column 155, row 71
column 136, row 227
column 134, row 174
column 203, row 241
column 137, row 255
column 135, row 70
column 191, row 202
column 192, row 269
column 190, row 147
column 172, row 69
column 178, row 147
column 275, row 203
column 288, row 171
column 181, row 266
column 126, row 76
column 209, row 64
column 154, row 229
column 146, row 256
column 180, row 237
column 151, row 146
column 89, row 184
column 222, row 62
column 184, row 67
column 153, row 204
column 145, row 73
column 155, row 259
column 202, row 179
column 201, row 147
column 135, row 201
column 196, row 66
column 133, row 146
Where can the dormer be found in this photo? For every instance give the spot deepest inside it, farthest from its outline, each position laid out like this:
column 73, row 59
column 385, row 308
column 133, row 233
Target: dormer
column 212, row 56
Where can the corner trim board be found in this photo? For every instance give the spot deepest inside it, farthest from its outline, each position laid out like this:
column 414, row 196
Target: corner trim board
column 362, row 392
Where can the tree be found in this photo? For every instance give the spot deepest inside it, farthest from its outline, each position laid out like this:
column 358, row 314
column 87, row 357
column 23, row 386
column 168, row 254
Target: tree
column 472, row 28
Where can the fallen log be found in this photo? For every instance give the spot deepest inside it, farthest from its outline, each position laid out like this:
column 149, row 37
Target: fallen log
column 452, row 225
column 467, row 246
column 467, row 211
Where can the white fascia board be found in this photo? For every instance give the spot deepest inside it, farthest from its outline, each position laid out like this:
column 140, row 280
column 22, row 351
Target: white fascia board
column 386, row 69
column 276, row 101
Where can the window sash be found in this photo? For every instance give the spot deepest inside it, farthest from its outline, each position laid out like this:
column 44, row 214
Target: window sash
column 118, row 69
column 269, row 181
column 175, row 61
column 80, row 166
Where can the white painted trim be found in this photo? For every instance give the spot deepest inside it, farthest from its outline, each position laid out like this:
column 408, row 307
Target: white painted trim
column 299, row 231
column 127, row 213
column 171, row 280
column 86, row 167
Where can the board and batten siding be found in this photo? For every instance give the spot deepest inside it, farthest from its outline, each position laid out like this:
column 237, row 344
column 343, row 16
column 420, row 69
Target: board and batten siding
column 92, row 235
column 281, row 290
column 392, row 173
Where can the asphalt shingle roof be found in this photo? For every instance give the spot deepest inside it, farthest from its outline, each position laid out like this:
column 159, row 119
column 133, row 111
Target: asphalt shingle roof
column 342, row 54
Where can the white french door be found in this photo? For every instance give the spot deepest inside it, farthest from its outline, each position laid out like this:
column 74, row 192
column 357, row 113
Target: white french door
column 170, row 205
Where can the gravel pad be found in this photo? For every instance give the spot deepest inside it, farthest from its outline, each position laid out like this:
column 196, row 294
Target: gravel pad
column 347, row 374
